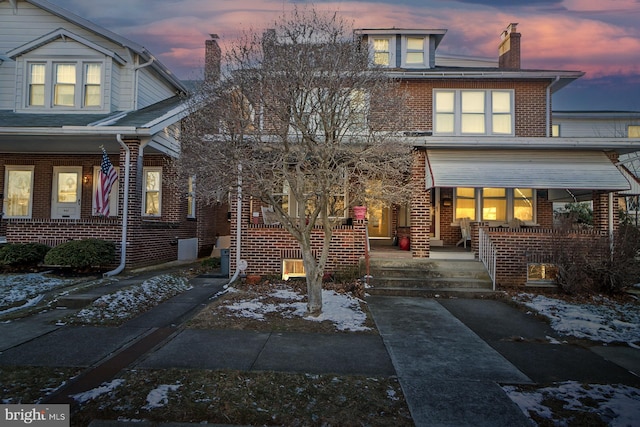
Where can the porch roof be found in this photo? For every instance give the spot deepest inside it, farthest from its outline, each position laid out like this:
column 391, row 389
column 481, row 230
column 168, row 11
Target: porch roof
column 540, row 169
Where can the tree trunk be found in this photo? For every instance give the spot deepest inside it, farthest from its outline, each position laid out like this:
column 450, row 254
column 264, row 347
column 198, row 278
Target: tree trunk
column 314, row 280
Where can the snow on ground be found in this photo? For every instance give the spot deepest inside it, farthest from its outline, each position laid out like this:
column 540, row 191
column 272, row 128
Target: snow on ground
column 159, row 396
column 341, row 309
column 103, row 388
column 604, row 320
column 617, row 405
column 128, row 302
column 23, row 290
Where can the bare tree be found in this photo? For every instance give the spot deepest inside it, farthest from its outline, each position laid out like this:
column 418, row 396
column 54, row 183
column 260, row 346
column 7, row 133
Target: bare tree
column 310, row 121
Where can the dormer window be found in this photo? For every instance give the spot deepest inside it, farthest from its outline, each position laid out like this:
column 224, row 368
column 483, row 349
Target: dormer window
column 414, row 52
column 64, row 85
column 383, row 51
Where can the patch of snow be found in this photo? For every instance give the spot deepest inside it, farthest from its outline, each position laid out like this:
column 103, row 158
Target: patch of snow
column 15, row 288
column 98, row 391
column 605, row 321
column 617, row 405
column 159, row 396
column 30, row 303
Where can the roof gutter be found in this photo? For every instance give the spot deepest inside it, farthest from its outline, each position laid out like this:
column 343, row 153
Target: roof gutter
column 125, row 210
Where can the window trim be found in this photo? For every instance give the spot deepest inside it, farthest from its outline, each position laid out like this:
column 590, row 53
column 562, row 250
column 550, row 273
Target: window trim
column 145, row 170
column 406, row 51
column 7, row 170
column 392, row 49
column 50, row 79
column 488, row 112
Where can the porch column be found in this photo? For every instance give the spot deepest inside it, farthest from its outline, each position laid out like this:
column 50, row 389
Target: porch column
column 420, row 206
column 601, row 213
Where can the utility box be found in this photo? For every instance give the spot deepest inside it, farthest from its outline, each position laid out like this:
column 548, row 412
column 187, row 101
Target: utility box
column 224, row 262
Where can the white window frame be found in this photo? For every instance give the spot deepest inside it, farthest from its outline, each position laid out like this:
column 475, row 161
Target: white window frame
column 114, row 194
column 145, row 193
column 510, row 206
column 488, row 112
column 391, row 52
column 424, row 50
column 5, row 200
column 80, row 85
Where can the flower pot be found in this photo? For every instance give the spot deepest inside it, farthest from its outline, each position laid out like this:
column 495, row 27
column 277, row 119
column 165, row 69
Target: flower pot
column 404, row 243
column 359, row 212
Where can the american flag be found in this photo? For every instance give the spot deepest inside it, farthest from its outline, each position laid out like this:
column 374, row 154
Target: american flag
column 107, row 176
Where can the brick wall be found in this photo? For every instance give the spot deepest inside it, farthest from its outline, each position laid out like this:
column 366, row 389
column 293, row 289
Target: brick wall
column 420, row 207
column 265, row 246
column 515, row 247
column 530, row 102
column 150, row 240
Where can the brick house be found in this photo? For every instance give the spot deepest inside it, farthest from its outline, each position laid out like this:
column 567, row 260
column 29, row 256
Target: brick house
column 486, row 168
column 69, row 88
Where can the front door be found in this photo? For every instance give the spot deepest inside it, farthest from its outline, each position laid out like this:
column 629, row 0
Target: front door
column 379, row 220
column 66, row 192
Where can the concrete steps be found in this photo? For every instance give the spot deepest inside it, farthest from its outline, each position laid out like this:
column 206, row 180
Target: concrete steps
column 428, row 277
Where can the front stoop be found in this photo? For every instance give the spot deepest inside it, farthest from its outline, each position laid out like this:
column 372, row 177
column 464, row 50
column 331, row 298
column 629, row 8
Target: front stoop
column 428, row 277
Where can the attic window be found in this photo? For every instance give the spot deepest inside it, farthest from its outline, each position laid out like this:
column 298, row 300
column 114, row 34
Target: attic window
column 383, row 51
column 415, row 51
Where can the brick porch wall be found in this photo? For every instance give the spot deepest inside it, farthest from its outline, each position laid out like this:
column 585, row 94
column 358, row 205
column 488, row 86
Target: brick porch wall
column 515, row 246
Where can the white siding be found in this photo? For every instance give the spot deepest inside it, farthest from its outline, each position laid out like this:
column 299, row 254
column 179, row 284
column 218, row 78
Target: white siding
column 150, row 89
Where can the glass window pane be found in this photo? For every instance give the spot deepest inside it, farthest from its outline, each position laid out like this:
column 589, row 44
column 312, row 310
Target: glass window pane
column 92, row 96
column 152, row 204
column 465, row 192
column 93, row 74
column 501, row 102
column 445, row 102
column 444, row 123
column 494, row 192
column 415, row 43
column 494, row 210
column 472, row 102
column 37, row 73
column 36, row 95
column 67, row 187
column 64, row 95
column 19, row 185
column 381, row 58
column 634, row 131
column 523, row 204
column 153, row 181
column 381, row 45
column 465, row 203
column 66, row 73
column 415, row 58
column 472, row 123
column 502, row 124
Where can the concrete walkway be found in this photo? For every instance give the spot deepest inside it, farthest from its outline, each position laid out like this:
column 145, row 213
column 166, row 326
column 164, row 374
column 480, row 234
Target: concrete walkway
column 448, row 374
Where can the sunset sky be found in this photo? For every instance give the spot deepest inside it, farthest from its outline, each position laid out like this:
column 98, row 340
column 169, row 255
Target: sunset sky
column 599, row 37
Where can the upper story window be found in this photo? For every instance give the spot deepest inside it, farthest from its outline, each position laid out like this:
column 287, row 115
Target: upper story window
column 555, row 130
column 384, row 51
column 633, row 131
column 68, row 84
column 414, row 48
column 473, row 112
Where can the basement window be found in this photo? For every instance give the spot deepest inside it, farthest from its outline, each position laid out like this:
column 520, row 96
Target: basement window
column 292, row 268
column 541, row 273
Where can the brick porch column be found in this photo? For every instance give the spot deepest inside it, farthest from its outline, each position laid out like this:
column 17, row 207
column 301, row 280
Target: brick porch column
column 420, row 206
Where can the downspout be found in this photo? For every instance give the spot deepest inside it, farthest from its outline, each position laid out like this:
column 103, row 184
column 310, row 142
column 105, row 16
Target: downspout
column 125, row 210
column 611, row 223
column 548, row 112
column 135, row 81
column 238, row 225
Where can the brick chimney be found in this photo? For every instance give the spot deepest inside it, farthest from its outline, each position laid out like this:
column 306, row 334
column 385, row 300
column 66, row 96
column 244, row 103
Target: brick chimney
column 509, row 48
column 212, row 58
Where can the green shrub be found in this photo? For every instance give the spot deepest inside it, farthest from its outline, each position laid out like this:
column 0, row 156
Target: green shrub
column 82, row 254
column 22, row 254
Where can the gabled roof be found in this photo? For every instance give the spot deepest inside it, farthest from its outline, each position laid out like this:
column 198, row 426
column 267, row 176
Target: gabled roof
column 63, row 34
column 115, row 38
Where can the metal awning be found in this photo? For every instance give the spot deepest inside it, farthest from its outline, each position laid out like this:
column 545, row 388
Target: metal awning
column 540, row 169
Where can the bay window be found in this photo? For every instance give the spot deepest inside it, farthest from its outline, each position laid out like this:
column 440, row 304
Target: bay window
column 465, row 203
column 494, row 204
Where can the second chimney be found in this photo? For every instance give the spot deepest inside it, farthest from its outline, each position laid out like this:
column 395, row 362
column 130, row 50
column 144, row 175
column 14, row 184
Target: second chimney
column 509, row 48
column 212, row 58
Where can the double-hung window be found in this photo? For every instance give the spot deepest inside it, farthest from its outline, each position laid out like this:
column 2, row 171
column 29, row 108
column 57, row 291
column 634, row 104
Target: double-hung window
column 473, row 112
column 64, row 84
column 414, row 51
column 191, row 197
column 152, row 194
column 383, row 51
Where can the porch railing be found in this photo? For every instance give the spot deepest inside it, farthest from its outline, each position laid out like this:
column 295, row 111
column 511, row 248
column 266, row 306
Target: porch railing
column 487, row 254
